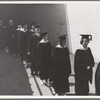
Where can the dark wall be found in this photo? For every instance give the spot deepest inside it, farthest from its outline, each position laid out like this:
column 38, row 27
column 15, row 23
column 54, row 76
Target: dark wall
column 50, row 17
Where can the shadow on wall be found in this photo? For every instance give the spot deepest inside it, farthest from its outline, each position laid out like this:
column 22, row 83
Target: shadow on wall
column 50, row 17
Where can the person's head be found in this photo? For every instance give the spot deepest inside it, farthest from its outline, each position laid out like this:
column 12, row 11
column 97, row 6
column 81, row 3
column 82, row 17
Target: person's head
column 85, row 40
column 25, row 27
column 11, row 22
column 37, row 29
column 33, row 24
column 19, row 26
column 62, row 40
column 45, row 35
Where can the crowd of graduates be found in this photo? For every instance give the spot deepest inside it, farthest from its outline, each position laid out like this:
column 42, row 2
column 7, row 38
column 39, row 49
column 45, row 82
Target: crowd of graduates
column 51, row 64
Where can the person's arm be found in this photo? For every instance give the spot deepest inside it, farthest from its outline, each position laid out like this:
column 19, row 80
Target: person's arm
column 91, row 59
column 68, row 62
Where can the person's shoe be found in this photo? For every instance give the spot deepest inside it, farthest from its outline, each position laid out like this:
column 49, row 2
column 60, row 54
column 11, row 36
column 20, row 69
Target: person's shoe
column 24, row 63
column 44, row 82
column 37, row 73
column 41, row 82
column 27, row 65
column 32, row 74
column 53, row 91
column 47, row 83
column 61, row 94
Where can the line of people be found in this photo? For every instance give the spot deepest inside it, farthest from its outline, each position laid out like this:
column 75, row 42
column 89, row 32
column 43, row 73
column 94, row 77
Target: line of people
column 51, row 64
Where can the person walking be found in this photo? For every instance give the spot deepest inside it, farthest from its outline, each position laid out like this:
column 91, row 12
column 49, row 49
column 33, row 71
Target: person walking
column 62, row 67
column 83, row 64
column 34, row 40
column 45, row 59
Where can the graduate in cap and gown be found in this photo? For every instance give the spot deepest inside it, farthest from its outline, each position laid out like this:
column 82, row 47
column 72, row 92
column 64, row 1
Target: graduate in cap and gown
column 83, row 64
column 97, row 79
column 31, row 31
column 45, row 56
column 29, row 36
column 62, row 67
column 34, row 41
column 22, row 43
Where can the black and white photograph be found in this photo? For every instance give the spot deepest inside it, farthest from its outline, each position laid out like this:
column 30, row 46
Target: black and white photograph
column 50, row 49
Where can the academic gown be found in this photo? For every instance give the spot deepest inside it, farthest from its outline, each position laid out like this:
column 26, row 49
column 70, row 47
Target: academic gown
column 23, row 46
column 62, row 70
column 29, row 36
column 16, row 48
column 34, row 41
column 97, row 79
column 45, row 56
column 30, row 33
column 23, row 39
column 83, row 59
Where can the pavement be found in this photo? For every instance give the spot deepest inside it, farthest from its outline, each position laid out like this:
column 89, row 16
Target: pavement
column 16, row 79
column 13, row 77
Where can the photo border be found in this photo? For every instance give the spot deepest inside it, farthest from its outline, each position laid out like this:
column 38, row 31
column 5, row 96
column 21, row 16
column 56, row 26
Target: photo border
column 6, row 97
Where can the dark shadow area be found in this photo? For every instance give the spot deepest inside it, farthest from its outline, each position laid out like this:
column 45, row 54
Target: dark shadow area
column 70, row 94
column 72, row 75
column 50, row 17
column 71, row 84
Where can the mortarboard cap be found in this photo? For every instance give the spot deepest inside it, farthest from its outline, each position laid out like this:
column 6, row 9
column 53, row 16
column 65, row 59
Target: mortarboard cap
column 86, row 36
column 62, row 37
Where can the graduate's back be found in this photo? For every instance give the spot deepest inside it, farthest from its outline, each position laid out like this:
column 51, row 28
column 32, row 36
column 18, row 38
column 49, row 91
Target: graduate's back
column 97, row 79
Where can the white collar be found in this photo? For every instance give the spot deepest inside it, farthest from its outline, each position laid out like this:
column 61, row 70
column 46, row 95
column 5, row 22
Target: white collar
column 18, row 29
column 32, row 30
column 37, row 34
column 22, row 30
column 43, row 41
column 82, row 48
column 58, row 46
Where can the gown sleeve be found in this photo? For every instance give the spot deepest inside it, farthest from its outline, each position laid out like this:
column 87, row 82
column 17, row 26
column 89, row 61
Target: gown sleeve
column 91, row 59
column 91, row 64
column 68, row 63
